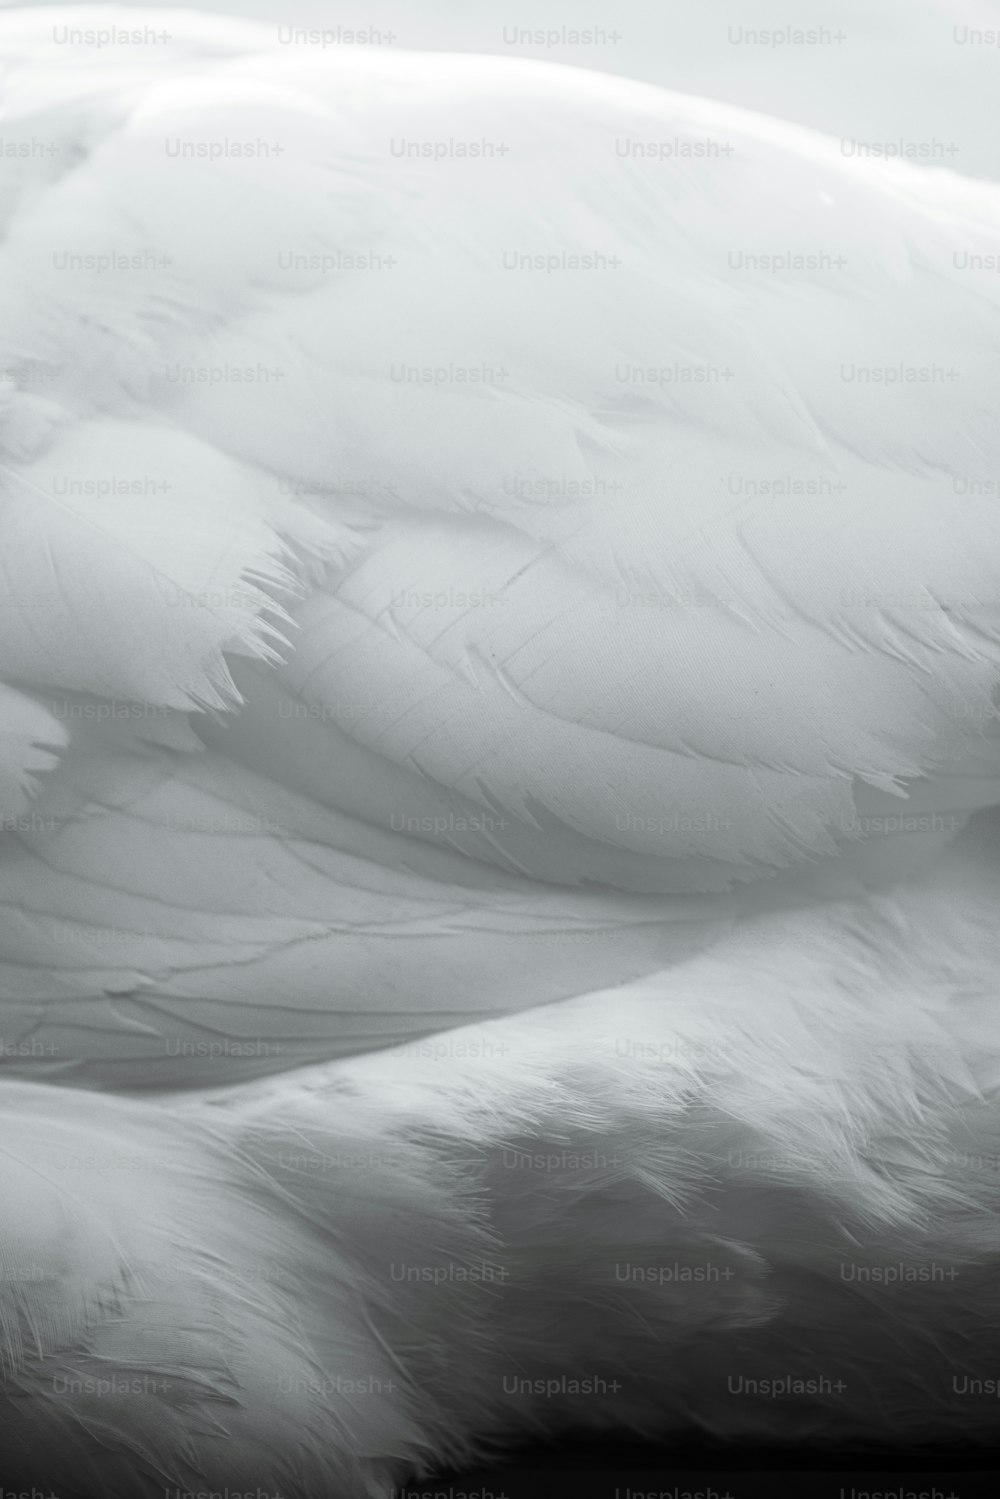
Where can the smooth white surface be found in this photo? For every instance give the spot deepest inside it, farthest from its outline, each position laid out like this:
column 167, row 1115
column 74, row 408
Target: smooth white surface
column 920, row 75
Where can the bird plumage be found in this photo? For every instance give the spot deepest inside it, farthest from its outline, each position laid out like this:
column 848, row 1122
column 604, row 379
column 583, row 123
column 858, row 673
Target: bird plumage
column 774, row 1162
column 460, row 537
column 450, row 569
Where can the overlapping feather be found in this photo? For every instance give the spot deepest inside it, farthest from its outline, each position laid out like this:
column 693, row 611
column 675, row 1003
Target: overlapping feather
column 650, row 568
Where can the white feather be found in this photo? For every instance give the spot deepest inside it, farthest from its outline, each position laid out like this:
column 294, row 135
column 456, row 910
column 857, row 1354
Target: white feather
column 770, row 1160
column 435, row 588
column 30, row 739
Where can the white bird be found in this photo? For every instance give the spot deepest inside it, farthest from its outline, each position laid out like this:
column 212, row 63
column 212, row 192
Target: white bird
column 477, row 533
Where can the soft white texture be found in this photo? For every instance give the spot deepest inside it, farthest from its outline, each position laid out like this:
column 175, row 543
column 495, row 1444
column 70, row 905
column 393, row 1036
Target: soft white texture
column 524, row 616
column 776, row 1161
column 362, row 705
column 912, row 74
